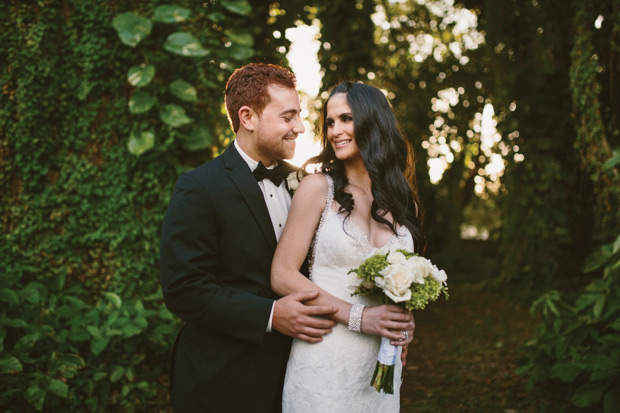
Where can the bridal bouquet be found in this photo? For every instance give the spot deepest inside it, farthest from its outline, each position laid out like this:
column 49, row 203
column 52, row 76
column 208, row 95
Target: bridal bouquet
column 403, row 278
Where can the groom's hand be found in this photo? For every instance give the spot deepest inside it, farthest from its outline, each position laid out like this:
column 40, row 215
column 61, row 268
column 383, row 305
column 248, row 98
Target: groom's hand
column 294, row 318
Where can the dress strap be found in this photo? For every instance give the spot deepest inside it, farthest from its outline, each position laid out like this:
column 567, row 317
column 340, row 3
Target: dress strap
column 330, row 192
column 328, row 206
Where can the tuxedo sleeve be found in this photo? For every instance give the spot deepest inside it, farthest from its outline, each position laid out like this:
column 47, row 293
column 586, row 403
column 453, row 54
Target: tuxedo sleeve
column 189, row 269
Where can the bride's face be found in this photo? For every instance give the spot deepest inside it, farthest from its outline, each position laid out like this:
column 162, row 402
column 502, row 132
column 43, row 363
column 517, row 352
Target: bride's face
column 340, row 128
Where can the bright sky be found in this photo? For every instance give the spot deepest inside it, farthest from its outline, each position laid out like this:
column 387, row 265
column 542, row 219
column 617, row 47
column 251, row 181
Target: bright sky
column 304, row 63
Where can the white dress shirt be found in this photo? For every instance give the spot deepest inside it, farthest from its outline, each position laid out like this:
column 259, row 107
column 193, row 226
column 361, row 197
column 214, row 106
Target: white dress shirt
column 277, row 199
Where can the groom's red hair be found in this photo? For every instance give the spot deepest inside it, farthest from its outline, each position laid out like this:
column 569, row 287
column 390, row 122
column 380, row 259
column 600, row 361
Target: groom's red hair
column 247, row 86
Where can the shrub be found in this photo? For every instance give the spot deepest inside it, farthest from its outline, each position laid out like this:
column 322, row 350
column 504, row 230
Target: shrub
column 579, row 342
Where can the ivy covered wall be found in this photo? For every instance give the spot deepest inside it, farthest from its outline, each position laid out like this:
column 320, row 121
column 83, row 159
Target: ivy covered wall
column 103, row 104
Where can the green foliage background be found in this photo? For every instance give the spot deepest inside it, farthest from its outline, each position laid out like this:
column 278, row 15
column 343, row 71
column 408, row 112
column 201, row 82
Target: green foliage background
column 82, row 322
column 94, row 131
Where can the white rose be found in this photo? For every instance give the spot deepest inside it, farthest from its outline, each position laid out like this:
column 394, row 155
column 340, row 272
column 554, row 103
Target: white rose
column 440, row 276
column 292, row 181
column 379, row 251
column 420, row 268
column 396, row 281
column 397, row 258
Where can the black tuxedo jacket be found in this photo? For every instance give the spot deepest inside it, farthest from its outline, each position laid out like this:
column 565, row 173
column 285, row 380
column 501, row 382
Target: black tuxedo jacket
column 215, row 259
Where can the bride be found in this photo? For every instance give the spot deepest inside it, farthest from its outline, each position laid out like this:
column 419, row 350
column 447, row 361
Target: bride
column 360, row 202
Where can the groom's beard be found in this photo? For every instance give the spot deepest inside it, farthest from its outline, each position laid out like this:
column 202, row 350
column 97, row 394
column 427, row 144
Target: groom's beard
column 276, row 147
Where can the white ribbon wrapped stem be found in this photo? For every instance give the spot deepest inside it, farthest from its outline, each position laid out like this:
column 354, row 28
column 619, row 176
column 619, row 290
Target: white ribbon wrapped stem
column 387, row 352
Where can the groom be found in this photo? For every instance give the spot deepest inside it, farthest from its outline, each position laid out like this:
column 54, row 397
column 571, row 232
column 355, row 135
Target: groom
column 218, row 239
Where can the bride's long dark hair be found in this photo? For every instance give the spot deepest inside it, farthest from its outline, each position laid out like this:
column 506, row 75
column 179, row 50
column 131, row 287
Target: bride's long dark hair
column 386, row 154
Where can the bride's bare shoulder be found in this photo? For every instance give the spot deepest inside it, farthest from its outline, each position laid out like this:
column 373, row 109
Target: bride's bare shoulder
column 312, row 190
column 314, row 182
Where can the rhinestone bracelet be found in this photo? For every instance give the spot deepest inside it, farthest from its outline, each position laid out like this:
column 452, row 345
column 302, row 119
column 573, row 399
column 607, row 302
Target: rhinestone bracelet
column 355, row 318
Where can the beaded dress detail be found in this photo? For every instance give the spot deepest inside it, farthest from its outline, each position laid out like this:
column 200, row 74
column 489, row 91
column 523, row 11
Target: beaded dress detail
column 334, row 375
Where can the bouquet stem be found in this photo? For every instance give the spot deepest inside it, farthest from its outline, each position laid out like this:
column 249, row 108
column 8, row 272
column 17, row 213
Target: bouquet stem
column 383, row 377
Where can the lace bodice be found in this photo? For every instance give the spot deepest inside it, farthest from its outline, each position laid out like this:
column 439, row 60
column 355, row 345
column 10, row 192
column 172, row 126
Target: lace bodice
column 334, row 375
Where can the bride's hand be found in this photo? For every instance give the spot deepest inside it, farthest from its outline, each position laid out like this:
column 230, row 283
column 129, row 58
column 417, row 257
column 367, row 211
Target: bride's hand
column 389, row 321
column 405, row 340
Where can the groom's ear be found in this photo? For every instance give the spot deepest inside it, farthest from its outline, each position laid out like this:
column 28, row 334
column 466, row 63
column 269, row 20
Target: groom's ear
column 247, row 118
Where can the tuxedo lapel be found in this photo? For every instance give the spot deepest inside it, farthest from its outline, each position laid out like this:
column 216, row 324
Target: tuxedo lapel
column 241, row 176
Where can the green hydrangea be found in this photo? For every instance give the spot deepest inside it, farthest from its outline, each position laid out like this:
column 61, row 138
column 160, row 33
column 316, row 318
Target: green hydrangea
column 421, row 294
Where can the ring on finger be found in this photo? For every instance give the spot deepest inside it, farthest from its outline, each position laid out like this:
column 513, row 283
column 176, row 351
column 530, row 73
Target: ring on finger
column 406, row 335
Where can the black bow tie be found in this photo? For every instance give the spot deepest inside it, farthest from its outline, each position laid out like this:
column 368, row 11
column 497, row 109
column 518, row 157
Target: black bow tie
column 276, row 175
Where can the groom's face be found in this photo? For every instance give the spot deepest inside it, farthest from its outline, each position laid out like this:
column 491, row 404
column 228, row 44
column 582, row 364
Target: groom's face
column 278, row 125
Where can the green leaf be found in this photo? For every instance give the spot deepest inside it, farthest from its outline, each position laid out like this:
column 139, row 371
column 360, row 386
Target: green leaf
column 141, row 75
column 184, row 90
column 131, row 330
column 200, row 138
column 599, row 305
column 114, row 299
column 599, row 362
column 588, row 394
column 32, row 293
column 240, row 38
column 566, row 371
column 184, row 44
column 611, row 339
column 79, row 334
column 241, row 7
column 239, row 52
column 59, row 388
column 117, row 373
column 606, row 374
column 597, row 286
column 216, row 17
column 140, row 143
column 613, row 161
column 99, row 376
column 129, row 373
column 28, row 340
column 598, row 258
column 174, row 115
column 99, row 344
column 71, row 362
column 616, row 324
column 616, row 245
column 141, row 322
column 13, row 322
column 541, row 304
column 8, row 296
column 94, row 331
column 586, row 300
column 35, row 395
column 611, row 401
column 523, row 370
column 171, row 13
column 132, row 28
column 141, row 102
column 9, row 364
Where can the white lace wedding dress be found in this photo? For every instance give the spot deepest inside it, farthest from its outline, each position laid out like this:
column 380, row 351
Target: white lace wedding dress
column 334, row 375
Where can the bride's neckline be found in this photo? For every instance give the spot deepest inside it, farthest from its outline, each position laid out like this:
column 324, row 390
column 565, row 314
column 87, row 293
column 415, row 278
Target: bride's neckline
column 364, row 234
